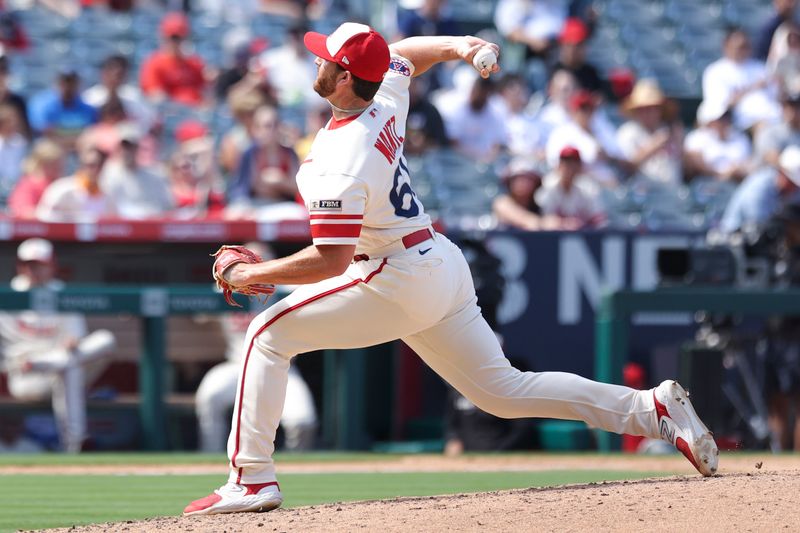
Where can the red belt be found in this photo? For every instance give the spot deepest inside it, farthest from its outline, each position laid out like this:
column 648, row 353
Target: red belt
column 412, row 239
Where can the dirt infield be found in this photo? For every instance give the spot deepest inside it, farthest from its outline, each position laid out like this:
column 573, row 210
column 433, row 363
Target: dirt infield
column 746, row 496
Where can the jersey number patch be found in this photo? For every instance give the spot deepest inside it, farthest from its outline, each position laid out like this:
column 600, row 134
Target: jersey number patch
column 402, row 196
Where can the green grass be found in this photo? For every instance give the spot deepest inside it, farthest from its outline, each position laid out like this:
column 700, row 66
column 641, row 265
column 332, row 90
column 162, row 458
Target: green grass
column 39, row 501
column 181, row 458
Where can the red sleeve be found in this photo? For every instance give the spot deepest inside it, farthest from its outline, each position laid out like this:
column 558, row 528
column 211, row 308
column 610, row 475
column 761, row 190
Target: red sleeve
column 148, row 78
column 23, row 200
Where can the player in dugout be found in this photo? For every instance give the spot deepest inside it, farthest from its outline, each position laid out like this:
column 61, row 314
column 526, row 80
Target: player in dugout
column 376, row 271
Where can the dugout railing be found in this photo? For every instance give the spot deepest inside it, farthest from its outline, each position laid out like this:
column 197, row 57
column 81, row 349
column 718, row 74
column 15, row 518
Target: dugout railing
column 343, row 423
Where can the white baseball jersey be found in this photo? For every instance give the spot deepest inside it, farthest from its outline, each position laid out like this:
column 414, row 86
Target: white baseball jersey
column 355, row 180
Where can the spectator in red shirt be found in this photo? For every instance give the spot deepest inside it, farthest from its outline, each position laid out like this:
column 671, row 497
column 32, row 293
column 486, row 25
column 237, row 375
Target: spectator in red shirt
column 194, row 180
column 171, row 74
column 43, row 166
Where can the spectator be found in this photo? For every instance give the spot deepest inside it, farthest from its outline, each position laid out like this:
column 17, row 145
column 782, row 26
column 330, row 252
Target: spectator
column 427, row 17
column 240, row 49
column 569, row 195
column 787, row 67
column 784, row 12
column 266, row 173
column 430, row 18
column 424, row 126
column 474, row 127
column 78, row 198
column 114, row 83
column 525, row 137
column 137, row 192
column 716, row 148
column 42, row 167
column 7, row 96
column 555, row 112
column 105, row 133
column 651, row 141
column 771, row 140
column 740, row 82
column 170, row 73
column 13, row 149
column 237, row 139
column 761, row 194
column 216, row 393
column 48, row 354
column 533, row 23
column 596, row 143
column 290, row 70
column 572, row 56
column 194, row 181
column 516, row 206
column 61, row 114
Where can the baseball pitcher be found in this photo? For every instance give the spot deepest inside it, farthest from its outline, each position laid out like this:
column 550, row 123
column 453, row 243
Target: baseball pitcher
column 377, row 272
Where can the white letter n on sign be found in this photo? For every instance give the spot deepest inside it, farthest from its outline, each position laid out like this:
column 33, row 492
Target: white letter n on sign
column 579, row 273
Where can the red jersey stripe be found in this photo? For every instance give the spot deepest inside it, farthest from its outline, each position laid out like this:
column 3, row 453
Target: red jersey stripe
column 335, row 230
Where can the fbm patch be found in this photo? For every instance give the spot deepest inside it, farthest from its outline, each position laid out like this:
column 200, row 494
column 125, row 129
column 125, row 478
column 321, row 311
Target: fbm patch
column 326, row 205
column 400, row 67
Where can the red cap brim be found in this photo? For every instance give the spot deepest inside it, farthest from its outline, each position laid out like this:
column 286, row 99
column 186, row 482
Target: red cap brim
column 316, row 43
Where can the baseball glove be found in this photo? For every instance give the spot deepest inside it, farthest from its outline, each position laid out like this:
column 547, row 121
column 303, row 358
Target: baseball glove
column 226, row 257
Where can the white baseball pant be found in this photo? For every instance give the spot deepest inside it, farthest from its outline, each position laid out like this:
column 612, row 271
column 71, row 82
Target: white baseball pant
column 427, row 300
column 64, row 375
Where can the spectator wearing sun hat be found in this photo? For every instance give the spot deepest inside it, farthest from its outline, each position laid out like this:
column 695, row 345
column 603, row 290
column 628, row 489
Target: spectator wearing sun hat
column 716, row 148
column 170, row 73
column 762, row 194
column 650, row 141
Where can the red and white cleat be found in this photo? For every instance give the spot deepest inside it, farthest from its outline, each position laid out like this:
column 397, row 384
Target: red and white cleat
column 679, row 425
column 236, row 498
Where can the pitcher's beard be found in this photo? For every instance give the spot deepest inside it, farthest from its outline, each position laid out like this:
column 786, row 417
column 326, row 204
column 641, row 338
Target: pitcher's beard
column 324, row 86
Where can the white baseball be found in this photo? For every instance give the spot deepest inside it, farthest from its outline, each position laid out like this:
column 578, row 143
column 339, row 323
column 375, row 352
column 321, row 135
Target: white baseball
column 485, row 58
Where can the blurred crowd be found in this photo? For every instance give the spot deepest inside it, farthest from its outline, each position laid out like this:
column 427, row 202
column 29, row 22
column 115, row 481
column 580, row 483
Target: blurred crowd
column 565, row 149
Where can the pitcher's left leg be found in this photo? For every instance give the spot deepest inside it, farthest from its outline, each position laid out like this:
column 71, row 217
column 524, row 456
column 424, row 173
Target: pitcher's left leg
column 465, row 352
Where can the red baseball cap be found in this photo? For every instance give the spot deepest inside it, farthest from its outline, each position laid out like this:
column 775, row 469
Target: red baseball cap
column 569, row 152
column 581, row 98
column 574, row 31
column 174, row 24
column 355, row 47
column 189, row 130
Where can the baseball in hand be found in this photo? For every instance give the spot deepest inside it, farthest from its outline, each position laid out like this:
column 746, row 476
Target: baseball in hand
column 484, row 58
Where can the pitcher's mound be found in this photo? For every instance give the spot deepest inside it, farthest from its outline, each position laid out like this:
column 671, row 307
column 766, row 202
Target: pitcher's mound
column 761, row 501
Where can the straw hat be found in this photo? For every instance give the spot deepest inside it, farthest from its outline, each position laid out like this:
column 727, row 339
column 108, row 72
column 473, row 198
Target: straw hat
column 646, row 93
